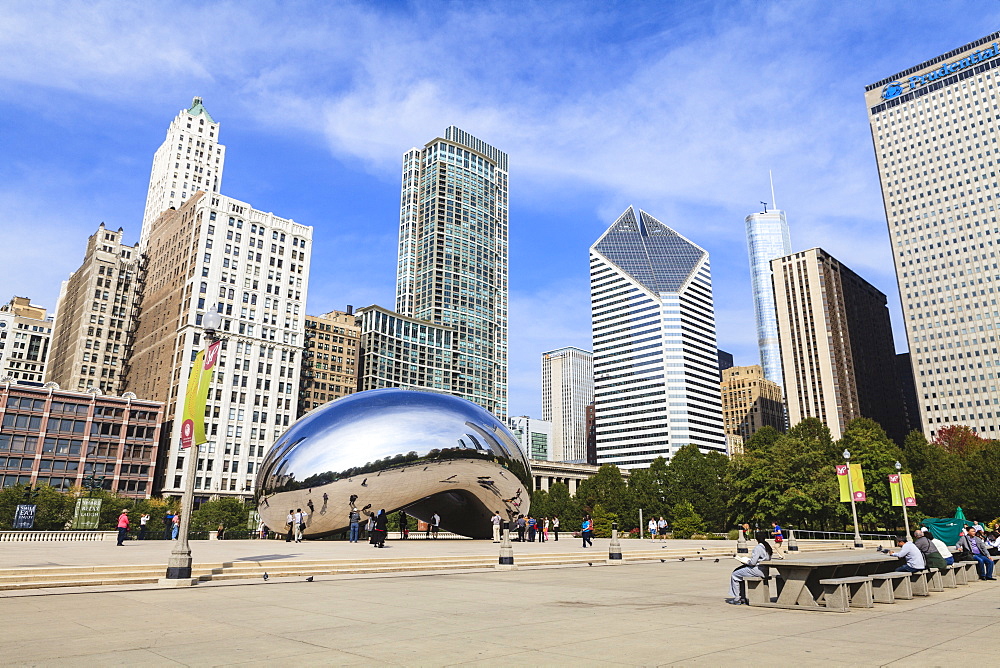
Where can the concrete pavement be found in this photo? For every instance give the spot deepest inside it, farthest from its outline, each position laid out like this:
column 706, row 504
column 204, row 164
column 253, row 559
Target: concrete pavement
column 635, row 615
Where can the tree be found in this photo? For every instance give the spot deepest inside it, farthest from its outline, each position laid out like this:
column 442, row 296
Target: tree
column 607, row 488
column 938, row 475
column 560, row 504
column 959, row 439
column 687, row 522
column 698, row 478
column 876, row 454
column 650, row 491
column 228, row 512
column 53, row 508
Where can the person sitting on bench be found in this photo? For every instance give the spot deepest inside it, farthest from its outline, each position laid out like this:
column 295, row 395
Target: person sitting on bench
column 974, row 545
column 914, row 557
column 750, row 569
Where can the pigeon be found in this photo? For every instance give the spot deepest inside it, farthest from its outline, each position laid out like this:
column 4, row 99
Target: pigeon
column 701, row 558
column 705, row 548
column 589, row 563
column 681, row 559
column 663, row 561
column 716, row 561
column 266, row 576
column 309, row 579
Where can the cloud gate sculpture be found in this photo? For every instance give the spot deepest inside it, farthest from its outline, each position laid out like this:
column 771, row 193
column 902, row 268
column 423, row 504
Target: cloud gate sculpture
column 422, row 452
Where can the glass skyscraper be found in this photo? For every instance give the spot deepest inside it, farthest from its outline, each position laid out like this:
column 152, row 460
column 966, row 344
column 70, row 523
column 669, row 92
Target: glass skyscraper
column 656, row 374
column 452, row 268
column 767, row 239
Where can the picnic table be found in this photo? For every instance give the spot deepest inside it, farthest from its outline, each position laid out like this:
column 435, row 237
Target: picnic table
column 801, row 575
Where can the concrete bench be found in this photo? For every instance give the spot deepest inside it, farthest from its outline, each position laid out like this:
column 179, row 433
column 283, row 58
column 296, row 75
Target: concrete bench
column 959, row 571
column 887, row 587
column 854, row 592
column 971, row 574
column 934, row 580
column 948, row 577
column 918, row 581
column 757, row 590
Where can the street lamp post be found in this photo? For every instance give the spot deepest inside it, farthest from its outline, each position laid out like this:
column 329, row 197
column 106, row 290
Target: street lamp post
column 902, row 497
column 854, row 509
column 179, row 565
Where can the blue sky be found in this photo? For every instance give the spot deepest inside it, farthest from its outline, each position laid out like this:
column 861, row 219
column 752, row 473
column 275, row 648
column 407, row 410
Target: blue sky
column 679, row 108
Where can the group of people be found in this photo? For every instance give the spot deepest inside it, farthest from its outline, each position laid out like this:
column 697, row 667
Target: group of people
column 377, row 525
column 927, row 552
column 295, row 524
column 529, row 528
column 171, row 526
column 658, row 527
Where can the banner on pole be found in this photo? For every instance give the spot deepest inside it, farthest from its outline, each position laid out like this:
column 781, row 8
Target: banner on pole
column 87, row 514
column 857, row 480
column 193, row 426
column 901, row 487
column 24, row 516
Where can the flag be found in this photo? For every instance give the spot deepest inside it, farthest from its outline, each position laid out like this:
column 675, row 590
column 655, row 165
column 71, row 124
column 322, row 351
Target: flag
column 193, row 426
column 857, row 480
column 901, row 487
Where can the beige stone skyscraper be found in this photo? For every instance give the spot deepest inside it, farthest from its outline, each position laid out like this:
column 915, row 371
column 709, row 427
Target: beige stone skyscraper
column 750, row 401
column 934, row 130
column 330, row 359
column 25, row 330
column 836, row 345
column 90, row 343
column 189, row 159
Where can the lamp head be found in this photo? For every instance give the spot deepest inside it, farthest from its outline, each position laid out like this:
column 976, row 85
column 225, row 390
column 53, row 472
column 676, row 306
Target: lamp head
column 211, row 321
column 847, row 454
column 898, row 466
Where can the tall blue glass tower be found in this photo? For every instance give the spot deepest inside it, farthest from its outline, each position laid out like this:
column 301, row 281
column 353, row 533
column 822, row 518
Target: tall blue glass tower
column 767, row 239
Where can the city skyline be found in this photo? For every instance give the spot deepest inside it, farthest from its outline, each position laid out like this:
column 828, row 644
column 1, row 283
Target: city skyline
column 83, row 131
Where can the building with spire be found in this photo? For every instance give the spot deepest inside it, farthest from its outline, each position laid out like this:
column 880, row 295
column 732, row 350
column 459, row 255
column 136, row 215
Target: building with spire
column 189, row 159
column 656, row 375
column 767, row 239
column 90, row 344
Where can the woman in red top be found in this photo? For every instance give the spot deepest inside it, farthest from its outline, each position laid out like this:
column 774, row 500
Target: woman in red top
column 122, row 526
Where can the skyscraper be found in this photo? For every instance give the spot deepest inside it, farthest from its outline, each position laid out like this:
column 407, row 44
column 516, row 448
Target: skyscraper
column 836, row 345
column 90, row 344
column 534, row 436
column 397, row 351
column 330, row 360
column 452, row 269
column 934, row 132
column 750, row 401
column 656, row 375
column 767, row 238
column 25, row 331
column 215, row 252
column 189, row 159
column 567, row 390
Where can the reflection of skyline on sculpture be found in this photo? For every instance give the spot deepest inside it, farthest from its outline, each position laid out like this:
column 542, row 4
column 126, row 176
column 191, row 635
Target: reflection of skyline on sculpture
column 396, row 449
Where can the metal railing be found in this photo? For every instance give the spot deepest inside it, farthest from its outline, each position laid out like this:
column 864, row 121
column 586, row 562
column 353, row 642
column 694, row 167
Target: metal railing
column 838, row 535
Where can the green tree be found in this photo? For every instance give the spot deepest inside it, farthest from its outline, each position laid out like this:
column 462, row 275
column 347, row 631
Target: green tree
column 650, row 491
column 877, row 455
column 939, row 476
column 687, row 522
column 602, row 521
column 561, row 505
column 981, row 493
column 54, row 508
column 227, row 512
column 607, row 487
column 698, row 478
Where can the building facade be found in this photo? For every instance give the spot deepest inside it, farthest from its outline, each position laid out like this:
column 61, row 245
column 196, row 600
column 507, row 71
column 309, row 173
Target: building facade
column 567, row 390
column 397, row 351
column 725, row 361
column 452, row 269
column 25, row 335
column 90, row 345
column 836, row 345
column 934, row 131
column 656, row 376
column 330, row 363
column 767, row 239
column 749, row 402
column 57, row 437
column 534, row 436
column 215, row 252
column 189, row 160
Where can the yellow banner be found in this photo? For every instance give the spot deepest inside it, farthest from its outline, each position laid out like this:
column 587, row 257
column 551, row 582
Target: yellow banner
column 857, row 480
column 193, row 426
column 901, row 487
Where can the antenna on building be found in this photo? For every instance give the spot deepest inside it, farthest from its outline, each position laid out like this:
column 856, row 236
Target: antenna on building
column 765, row 206
column 774, row 204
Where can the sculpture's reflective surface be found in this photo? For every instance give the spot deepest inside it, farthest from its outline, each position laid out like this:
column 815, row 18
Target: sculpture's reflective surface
column 421, row 452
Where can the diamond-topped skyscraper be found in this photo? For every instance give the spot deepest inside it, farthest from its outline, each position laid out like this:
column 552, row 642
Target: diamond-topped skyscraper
column 767, row 239
column 189, row 159
column 452, row 267
column 656, row 377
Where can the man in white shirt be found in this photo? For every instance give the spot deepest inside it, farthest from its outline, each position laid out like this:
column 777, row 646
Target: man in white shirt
column 435, row 525
column 299, row 519
column 913, row 556
column 496, row 526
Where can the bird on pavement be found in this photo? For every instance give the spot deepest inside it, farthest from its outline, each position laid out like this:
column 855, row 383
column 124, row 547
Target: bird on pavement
column 662, row 560
column 716, row 561
column 681, row 559
column 309, row 579
column 265, row 577
column 700, row 558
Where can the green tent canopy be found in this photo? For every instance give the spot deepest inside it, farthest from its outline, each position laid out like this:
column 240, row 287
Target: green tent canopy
column 959, row 514
column 948, row 529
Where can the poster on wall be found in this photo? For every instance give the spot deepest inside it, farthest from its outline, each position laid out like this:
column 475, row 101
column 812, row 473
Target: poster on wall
column 24, row 516
column 87, row 514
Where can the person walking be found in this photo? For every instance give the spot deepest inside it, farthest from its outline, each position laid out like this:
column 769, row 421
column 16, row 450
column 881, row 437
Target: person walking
column 176, row 528
column 142, row 526
column 122, row 527
column 354, row 517
column 495, row 521
column 261, row 530
column 545, row 529
column 555, row 527
column 404, row 525
column 290, row 523
column 168, row 525
column 779, row 538
column 761, row 552
column 661, row 528
column 587, row 531
column 435, row 524
column 652, row 529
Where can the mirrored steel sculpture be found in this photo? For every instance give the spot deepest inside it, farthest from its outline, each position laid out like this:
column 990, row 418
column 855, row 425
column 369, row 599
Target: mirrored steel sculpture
column 421, row 452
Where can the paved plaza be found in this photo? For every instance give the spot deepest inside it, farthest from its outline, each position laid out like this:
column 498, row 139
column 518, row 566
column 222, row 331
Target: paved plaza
column 645, row 614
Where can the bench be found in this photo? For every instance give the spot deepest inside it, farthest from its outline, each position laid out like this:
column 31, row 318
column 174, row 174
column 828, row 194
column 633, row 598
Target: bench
column 757, row 590
column 948, row 577
column 971, row 574
column 934, row 580
column 918, row 581
column 854, row 592
column 958, row 570
column 887, row 587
